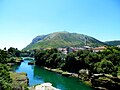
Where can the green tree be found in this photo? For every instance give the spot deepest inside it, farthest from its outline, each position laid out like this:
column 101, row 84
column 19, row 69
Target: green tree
column 14, row 52
column 54, row 60
column 104, row 66
column 70, row 62
column 40, row 57
column 3, row 56
column 5, row 80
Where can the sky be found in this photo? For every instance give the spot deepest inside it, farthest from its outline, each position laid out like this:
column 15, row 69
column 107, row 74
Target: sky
column 23, row 20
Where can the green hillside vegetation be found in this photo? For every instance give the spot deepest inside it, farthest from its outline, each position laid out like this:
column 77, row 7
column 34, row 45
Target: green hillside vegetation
column 62, row 39
column 113, row 43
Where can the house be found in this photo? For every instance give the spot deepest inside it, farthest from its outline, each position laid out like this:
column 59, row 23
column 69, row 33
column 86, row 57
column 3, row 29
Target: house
column 87, row 48
column 63, row 50
column 97, row 49
column 66, row 50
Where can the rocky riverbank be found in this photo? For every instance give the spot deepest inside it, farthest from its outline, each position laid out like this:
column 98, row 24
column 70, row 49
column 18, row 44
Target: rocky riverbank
column 74, row 75
column 64, row 73
column 19, row 81
column 98, row 81
column 15, row 60
column 105, row 82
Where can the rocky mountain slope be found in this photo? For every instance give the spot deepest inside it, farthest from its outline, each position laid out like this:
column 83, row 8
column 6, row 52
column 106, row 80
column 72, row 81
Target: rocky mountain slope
column 62, row 39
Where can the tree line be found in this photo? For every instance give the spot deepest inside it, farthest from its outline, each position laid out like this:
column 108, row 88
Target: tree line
column 106, row 61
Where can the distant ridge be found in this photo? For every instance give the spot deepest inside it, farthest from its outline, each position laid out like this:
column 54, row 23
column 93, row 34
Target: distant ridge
column 113, row 43
column 62, row 39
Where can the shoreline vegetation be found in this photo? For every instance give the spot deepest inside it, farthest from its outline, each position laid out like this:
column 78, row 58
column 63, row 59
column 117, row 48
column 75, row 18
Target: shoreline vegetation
column 100, row 70
column 104, row 77
column 20, row 80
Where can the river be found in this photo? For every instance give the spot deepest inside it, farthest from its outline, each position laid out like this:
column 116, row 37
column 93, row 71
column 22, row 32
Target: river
column 38, row 75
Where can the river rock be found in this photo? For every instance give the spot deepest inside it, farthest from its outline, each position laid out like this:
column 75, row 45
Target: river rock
column 66, row 74
column 19, row 80
column 105, row 82
column 44, row 86
column 84, row 74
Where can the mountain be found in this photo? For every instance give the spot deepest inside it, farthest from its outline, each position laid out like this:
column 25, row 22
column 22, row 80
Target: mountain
column 62, row 39
column 113, row 43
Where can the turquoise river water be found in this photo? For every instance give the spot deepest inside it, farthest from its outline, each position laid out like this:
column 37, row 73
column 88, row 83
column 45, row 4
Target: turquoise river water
column 38, row 75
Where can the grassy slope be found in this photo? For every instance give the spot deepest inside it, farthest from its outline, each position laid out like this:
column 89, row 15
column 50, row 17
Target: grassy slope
column 62, row 39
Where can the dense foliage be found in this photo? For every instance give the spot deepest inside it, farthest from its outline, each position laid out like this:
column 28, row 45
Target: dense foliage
column 50, row 58
column 107, row 61
column 14, row 52
column 4, row 74
column 6, row 57
column 29, row 53
column 5, row 79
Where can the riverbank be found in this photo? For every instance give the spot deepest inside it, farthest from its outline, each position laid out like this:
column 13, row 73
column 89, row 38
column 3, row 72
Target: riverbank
column 19, row 80
column 38, row 75
column 100, row 83
column 97, row 81
column 15, row 60
column 64, row 73
column 68, row 74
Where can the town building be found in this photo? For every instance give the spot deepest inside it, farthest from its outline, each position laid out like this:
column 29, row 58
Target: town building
column 98, row 49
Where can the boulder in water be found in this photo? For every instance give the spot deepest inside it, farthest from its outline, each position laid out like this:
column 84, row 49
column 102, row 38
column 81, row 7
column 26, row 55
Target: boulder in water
column 44, row 86
column 84, row 74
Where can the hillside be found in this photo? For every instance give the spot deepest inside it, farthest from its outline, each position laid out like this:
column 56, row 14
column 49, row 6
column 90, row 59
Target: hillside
column 62, row 39
column 113, row 43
